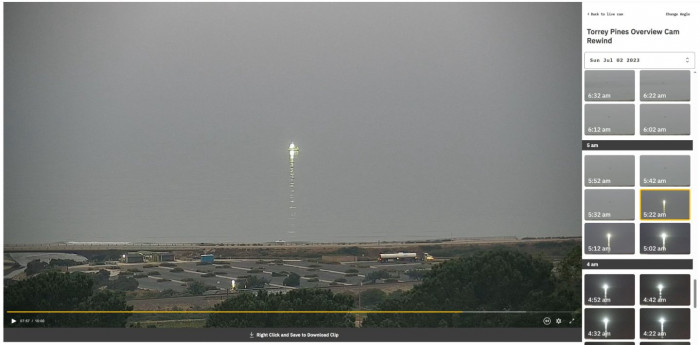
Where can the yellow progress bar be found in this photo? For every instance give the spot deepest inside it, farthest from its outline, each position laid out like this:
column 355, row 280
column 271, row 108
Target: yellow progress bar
column 233, row 312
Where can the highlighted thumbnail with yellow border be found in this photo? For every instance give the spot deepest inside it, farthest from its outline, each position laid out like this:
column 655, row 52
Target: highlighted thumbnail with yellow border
column 664, row 204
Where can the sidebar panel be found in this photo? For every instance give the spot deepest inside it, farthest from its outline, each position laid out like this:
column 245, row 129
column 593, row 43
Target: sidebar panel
column 639, row 121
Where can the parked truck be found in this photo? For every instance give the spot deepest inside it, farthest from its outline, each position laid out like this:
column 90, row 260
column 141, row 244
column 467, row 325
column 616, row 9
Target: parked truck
column 401, row 256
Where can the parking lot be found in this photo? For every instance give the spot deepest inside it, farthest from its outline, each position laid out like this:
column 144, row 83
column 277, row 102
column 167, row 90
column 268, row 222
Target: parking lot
column 222, row 272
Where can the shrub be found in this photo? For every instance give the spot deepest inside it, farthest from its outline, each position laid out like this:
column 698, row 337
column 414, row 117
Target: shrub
column 153, row 273
column 177, row 269
column 168, row 293
column 63, row 262
column 255, row 282
column 292, row 280
column 375, row 275
column 123, row 283
column 198, row 288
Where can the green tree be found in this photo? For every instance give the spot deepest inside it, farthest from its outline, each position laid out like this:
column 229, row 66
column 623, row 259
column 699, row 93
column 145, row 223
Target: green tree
column 198, row 288
column 35, row 266
column 416, row 274
column 376, row 275
column 53, row 290
column 63, row 263
column 295, row 300
column 101, row 278
column 490, row 280
column 372, row 297
column 255, row 282
column 292, row 279
column 567, row 293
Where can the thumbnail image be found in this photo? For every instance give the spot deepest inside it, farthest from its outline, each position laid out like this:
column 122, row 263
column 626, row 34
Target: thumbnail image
column 609, row 323
column 664, row 170
column 609, row 289
column 664, row 289
column 609, row 171
column 609, row 204
column 664, row 323
column 664, row 204
column 603, row 86
column 664, row 238
column 609, row 238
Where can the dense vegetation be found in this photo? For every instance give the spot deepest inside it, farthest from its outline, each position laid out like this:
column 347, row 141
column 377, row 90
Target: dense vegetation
column 56, row 291
column 498, row 280
column 303, row 299
column 37, row 266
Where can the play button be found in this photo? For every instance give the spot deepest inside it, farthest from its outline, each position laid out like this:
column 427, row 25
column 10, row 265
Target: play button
column 13, row 321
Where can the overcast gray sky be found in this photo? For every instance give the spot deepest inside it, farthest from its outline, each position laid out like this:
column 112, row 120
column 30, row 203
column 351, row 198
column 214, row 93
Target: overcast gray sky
column 171, row 122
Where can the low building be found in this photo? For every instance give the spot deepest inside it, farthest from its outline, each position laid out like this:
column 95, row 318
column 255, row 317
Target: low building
column 158, row 256
column 131, row 258
column 167, row 257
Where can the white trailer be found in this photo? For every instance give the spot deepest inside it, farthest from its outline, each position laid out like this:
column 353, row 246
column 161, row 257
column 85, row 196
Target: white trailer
column 401, row 256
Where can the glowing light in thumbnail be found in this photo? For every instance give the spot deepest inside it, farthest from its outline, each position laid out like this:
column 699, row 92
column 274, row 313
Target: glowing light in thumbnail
column 663, row 241
column 605, row 322
column 605, row 291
